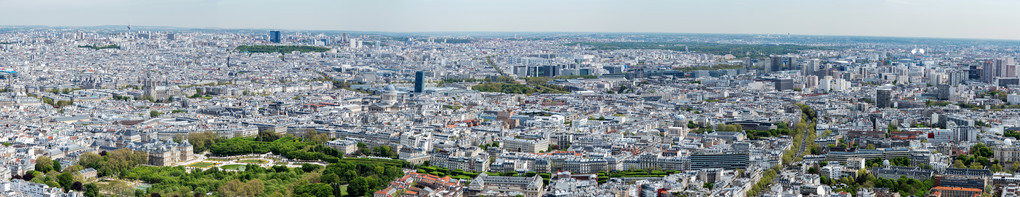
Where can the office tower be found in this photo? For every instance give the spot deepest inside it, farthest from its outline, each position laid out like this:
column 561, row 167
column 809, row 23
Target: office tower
column 945, row 91
column 1006, row 66
column 784, row 84
column 965, row 133
column 171, row 36
column 1005, row 82
column 934, row 77
column 549, row 71
column 987, row 71
column 520, row 71
column 780, row 63
column 724, row 161
column 974, row 72
column 584, row 71
column 776, row 64
column 419, row 82
column 789, row 63
column 811, row 81
column 615, row 69
column 274, row 36
column 1000, row 67
column 957, row 77
column 825, row 84
column 748, row 63
column 883, row 98
column 811, row 68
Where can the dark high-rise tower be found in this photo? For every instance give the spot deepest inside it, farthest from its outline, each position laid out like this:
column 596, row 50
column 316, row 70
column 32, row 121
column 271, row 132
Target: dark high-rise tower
column 883, row 98
column 748, row 63
column 781, row 63
column 975, row 72
column 945, row 91
column 419, row 82
column 783, row 84
column 776, row 64
column 274, row 36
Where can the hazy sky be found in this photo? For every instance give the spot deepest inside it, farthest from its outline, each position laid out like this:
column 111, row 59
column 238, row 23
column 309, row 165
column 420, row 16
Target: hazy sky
column 996, row 19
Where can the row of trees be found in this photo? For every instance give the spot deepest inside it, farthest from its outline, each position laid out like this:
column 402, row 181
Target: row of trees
column 56, row 104
column 363, row 176
column 201, row 142
column 754, row 134
column 114, row 163
column 516, row 88
column 67, row 180
column 49, row 172
column 279, row 48
column 155, row 113
column 378, row 151
column 253, row 181
column 290, row 147
column 739, row 50
column 603, row 176
column 1011, row 133
column 764, row 182
column 981, row 156
column 98, row 47
column 532, row 85
column 803, row 136
column 62, row 90
column 905, row 186
column 204, row 140
column 997, row 94
column 254, row 187
column 121, row 98
column 44, row 164
column 486, row 146
column 878, row 162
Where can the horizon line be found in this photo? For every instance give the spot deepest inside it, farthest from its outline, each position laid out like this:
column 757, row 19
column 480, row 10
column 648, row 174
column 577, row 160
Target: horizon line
column 577, row 32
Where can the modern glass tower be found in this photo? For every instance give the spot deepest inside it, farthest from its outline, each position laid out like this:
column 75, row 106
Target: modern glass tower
column 274, row 36
column 419, row 82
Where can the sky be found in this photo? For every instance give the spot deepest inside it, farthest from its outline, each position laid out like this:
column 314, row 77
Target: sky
column 984, row 19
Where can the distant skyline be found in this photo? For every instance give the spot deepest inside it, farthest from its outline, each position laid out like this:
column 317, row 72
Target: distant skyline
column 982, row 19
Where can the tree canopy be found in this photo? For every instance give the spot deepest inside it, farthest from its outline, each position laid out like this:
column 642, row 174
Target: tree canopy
column 279, row 48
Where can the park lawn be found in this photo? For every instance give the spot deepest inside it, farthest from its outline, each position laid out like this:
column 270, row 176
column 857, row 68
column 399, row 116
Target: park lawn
column 253, row 161
column 343, row 190
column 237, row 167
column 217, row 159
column 201, row 164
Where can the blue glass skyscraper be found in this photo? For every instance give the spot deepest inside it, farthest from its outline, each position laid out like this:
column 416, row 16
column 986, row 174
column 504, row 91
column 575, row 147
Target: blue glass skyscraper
column 274, row 36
